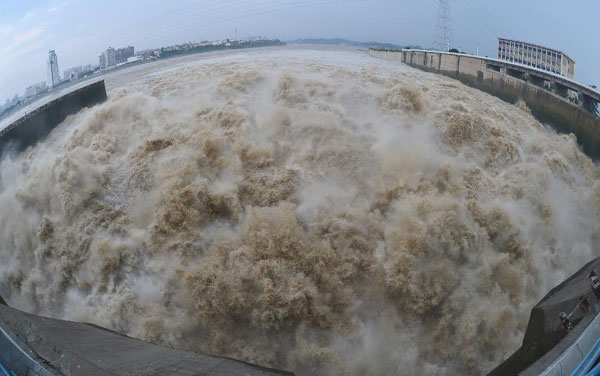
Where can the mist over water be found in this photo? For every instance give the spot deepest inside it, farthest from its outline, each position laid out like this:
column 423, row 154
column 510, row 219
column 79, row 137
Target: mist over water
column 318, row 211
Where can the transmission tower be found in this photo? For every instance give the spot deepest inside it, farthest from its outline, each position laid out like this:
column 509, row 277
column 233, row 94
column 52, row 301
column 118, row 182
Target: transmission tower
column 443, row 28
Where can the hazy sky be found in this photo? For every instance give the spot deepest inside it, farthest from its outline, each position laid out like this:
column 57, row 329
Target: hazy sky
column 80, row 29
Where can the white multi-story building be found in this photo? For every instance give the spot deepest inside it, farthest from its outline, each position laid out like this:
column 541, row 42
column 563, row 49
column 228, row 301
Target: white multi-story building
column 536, row 56
column 53, row 75
column 111, row 58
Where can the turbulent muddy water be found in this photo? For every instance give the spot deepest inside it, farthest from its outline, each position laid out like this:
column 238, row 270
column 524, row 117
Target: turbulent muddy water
column 319, row 211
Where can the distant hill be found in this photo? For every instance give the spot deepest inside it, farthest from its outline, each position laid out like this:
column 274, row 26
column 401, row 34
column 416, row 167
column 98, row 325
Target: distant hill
column 346, row 42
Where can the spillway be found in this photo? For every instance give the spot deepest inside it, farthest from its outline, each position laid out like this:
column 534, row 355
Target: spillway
column 315, row 210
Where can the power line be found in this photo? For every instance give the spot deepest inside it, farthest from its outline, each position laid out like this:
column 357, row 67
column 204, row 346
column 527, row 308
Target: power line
column 481, row 20
column 476, row 21
column 483, row 16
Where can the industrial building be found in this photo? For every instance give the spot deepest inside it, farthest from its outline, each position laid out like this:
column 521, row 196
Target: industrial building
column 536, row 56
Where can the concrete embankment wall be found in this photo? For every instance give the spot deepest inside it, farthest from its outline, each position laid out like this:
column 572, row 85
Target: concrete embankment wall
column 35, row 345
column 546, row 106
column 36, row 125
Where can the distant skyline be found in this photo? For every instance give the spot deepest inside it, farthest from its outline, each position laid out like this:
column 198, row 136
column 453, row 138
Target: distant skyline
column 80, row 30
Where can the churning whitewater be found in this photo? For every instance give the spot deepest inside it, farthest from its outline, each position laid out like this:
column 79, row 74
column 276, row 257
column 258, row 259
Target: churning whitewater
column 313, row 210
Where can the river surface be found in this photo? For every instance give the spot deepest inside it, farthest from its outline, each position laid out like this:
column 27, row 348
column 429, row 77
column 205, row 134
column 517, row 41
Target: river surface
column 312, row 209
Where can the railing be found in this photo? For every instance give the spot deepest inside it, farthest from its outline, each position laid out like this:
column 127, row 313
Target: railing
column 585, row 367
column 5, row 372
column 14, row 361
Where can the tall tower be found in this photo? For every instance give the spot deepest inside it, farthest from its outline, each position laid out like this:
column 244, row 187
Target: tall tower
column 53, row 76
column 443, row 28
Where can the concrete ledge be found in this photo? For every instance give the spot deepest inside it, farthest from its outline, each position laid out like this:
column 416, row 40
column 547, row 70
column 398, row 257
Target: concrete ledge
column 548, row 348
column 36, row 125
column 15, row 359
column 35, row 345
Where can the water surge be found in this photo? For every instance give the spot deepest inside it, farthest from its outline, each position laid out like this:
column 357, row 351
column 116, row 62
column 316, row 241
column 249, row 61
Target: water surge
column 318, row 211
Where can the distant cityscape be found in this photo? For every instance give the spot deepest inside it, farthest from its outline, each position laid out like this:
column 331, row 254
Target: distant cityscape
column 115, row 58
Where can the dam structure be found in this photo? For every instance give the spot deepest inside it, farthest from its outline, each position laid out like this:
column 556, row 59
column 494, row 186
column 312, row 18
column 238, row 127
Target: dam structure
column 566, row 105
column 34, row 345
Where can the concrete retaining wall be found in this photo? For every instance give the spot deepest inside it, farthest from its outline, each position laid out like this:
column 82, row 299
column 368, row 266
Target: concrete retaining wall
column 546, row 106
column 36, row 125
column 35, row 345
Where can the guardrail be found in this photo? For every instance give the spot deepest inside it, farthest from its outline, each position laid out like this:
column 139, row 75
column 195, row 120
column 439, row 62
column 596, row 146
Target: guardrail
column 578, row 358
column 15, row 361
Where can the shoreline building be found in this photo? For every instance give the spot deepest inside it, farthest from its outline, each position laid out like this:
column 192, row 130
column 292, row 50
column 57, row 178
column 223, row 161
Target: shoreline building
column 76, row 73
column 53, row 75
column 107, row 59
column 536, row 56
column 112, row 56
column 36, row 89
column 122, row 54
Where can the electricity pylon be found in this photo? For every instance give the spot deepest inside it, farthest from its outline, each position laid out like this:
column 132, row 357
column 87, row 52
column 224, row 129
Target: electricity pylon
column 443, row 27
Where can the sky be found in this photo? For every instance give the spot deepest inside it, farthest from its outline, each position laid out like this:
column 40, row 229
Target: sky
column 79, row 30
